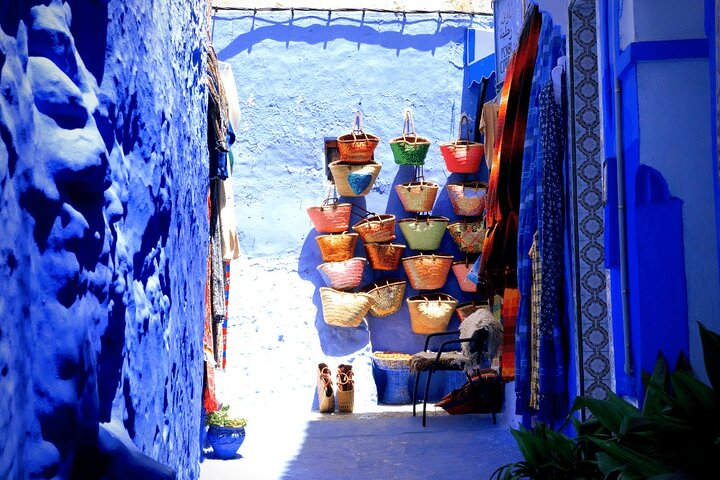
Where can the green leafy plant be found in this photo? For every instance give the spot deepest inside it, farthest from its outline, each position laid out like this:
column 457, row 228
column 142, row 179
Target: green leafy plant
column 221, row 418
column 676, row 434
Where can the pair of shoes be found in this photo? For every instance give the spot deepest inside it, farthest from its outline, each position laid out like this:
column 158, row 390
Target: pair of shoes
column 346, row 388
column 326, row 397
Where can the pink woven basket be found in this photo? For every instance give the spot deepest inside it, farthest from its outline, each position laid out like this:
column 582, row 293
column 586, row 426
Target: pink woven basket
column 343, row 275
column 461, row 269
column 330, row 218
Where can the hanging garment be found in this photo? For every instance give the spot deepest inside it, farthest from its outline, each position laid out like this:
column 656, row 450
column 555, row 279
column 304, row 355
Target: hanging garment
column 228, row 224
column 553, row 383
column 498, row 260
column 536, row 289
column 217, row 271
column 488, row 127
column 227, row 313
column 220, row 135
column 231, row 94
column 511, row 298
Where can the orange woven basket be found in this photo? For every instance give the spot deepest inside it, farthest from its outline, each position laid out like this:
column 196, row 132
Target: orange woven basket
column 461, row 269
column 431, row 313
column 376, row 228
column 338, row 247
column 330, row 218
column 464, row 310
column 357, row 146
column 343, row 275
column 427, row 272
column 468, row 199
column 384, row 256
column 417, row 196
column 462, row 156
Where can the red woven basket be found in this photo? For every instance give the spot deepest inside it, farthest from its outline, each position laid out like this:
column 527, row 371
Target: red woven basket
column 462, row 155
column 330, row 218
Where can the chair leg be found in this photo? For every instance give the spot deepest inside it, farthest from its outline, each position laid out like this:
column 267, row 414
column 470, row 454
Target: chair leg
column 427, row 390
column 414, row 400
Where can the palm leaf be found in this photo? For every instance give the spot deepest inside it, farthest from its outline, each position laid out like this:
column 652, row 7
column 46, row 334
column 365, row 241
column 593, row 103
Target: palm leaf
column 711, row 353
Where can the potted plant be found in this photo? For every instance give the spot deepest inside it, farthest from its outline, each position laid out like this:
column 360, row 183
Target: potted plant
column 225, row 433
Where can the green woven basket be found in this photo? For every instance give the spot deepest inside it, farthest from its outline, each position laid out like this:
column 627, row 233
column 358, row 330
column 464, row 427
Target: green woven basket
column 424, row 233
column 409, row 149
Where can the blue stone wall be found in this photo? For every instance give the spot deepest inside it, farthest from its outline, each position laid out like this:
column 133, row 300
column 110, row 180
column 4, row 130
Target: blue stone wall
column 103, row 185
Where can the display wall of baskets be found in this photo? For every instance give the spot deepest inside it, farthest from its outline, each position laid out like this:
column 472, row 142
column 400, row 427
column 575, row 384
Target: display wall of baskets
column 431, row 312
column 384, row 256
column 337, row 247
column 417, row 196
column 353, row 180
column 387, row 296
column 357, row 146
column 330, row 218
column 462, row 155
column 423, row 233
column 468, row 199
column 464, row 310
column 468, row 236
column 427, row 272
column 344, row 309
column 460, row 270
column 343, row 275
column 376, row 228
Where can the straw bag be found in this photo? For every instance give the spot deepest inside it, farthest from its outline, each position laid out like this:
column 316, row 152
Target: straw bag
column 353, row 180
column 469, row 236
column 410, row 149
column 344, row 309
column 464, row 310
column 468, row 199
column 384, row 256
column 336, row 248
column 342, row 275
column 331, row 216
column 376, row 228
column 430, row 313
column 357, row 146
column 417, row 196
column 387, row 296
column 427, row 272
column 462, row 156
column 461, row 269
column 424, row 233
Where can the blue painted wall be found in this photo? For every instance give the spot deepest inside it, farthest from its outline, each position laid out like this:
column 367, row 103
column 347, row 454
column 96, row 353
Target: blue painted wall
column 300, row 80
column 103, row 184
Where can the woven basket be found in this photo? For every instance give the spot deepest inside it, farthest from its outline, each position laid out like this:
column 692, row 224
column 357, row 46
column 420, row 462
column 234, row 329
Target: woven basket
column 427, row 272
column 354, row 180
column 423, row 233
column 417, row 196
column 461, row 269
column 430, row 313
column 462, row 156
column 344, row 309
column 469, row 236
column 409, row 149
column 331, row 218
column 391, row 360
column 387, row 296
column 346, row 401
column 336, row 248
column 342, row 275
column 357, row 146
column 464, row 310
column 384, row 256
column 468, row 199
column 376, row 228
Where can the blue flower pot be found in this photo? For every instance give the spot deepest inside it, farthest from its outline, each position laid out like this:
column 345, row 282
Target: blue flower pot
column 225, row 441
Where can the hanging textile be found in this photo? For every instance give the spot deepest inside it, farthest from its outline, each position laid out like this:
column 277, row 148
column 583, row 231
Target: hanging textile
column 508, row 314
column 536, row 289
column 498, row 260
column 208, row 393
column 489, row 127
column 225, row 320
column 550, row 45
column 220, row 136
column 217, row 271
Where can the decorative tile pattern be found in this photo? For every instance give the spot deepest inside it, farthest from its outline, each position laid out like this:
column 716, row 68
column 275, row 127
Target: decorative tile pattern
column 586, row 204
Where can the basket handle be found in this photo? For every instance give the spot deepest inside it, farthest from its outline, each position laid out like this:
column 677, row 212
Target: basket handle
column 357, row 126
column 331, row 198
column 409, row 127
column 464, row 118
column 420, row 173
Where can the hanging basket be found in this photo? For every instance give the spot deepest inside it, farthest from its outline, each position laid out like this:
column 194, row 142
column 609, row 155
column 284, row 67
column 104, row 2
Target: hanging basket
column 387, row 296
column 338, row 247
column 376, row 228
column 469, row 236
column 461, row 269
column 384, row 256
column 342, row 275
column 427, row 272
column 357, row 146
column 330, row 218
column 462, row 155
column 468, row 199
column 354, row 180
column 464, row 310
column 344, row 309
column 430, row 313
column 424, row 233
column 417, row 196
column 409, row 149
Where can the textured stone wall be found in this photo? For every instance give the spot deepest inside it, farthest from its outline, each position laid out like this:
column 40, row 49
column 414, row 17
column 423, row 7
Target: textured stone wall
column 103, row 193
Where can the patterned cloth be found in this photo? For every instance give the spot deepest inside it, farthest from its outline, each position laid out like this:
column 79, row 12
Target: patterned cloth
column 535, row 324
column 550, row 47
column 217, row 271
column 227, row 311
column 511, row 299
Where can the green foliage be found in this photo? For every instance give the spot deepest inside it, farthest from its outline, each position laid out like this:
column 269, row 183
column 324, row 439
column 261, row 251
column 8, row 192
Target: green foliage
column 221, row 418
column 675, row 436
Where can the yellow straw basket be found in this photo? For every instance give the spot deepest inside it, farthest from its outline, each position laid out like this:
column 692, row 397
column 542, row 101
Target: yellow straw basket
column 344, row 309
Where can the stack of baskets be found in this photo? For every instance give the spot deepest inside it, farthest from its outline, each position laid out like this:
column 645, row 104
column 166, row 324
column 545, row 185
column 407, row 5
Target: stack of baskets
column 355, row 173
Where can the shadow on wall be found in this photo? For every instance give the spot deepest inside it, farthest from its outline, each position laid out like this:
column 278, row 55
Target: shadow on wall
column 363, row 33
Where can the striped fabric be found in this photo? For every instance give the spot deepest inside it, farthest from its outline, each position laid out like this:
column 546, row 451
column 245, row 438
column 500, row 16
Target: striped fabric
column 225, row 321
column 536, row 289
column 511, row 300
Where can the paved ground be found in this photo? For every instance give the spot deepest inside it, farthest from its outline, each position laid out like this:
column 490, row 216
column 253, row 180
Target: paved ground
column 389, row 445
